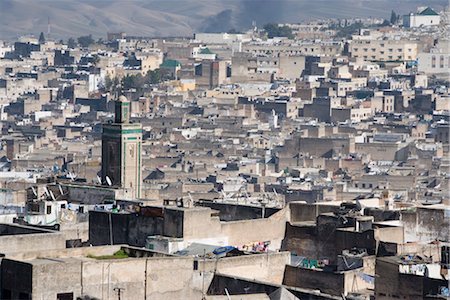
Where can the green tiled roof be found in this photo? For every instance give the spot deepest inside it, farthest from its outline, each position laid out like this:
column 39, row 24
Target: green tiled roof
column 206, row 51
column 428, row 12
column 170, row 63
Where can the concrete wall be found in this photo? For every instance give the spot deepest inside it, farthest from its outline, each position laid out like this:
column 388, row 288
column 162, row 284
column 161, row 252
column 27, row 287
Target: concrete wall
column 23, row 238
column 267, row 267
column 191, row 224
column 330, row 283
column 300, row 211
column 326, row 146
column 53, row 277
column 133, row 229
column 243, row 232
column 380, row 151
column 71, row 271
column 232, row 212
column 327, row 282
column 90, row 195
column 390, row 235
column 426, row 224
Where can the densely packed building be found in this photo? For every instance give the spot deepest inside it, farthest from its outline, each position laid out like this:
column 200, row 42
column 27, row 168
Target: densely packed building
column 308, row 166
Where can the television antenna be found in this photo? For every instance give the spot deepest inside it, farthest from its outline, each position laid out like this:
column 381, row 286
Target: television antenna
column 108, row 181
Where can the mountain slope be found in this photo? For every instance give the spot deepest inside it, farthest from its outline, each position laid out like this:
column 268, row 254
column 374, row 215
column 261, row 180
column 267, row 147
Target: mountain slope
column 178, row 17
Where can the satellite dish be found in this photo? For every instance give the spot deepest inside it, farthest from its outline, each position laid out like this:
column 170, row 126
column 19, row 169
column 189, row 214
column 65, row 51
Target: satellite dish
column 108, row 181
column 99, row 179
column 72, row 176
column 46, row 191
column 60, row 189
column 52, row 195
column 358, row 205
column 34, row 191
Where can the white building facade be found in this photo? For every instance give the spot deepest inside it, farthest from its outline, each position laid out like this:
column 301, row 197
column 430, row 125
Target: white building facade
column 425, row 17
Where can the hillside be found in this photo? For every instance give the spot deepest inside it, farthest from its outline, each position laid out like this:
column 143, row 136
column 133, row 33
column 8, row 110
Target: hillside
column 178, row 17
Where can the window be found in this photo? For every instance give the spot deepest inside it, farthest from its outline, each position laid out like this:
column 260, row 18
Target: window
column 64, row 296
column 24, row 296
column 49, row 210
column 6, row 294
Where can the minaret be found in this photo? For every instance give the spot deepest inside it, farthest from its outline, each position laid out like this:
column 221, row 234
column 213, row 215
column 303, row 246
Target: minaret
column 121, row 151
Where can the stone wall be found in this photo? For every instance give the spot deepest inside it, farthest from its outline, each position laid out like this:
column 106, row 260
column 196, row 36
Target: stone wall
column 15, row 238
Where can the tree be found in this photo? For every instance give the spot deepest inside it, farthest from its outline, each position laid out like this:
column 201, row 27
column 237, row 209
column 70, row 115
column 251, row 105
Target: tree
column 112, row 85
column 41, row 38
column 233, row 31
column 153, row 77
column 349, row 30
column 274, row 30
column 71, row 43
column 393, row 17
column 133, row 82
column 85, row 41
column 95, row 59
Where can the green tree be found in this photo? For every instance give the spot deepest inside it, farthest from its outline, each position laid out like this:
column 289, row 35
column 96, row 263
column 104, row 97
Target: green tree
column 153, row 77
column 349, row 30
column 393, row 17
column 71, row 43
column 133, row 82
column 112, row 85
column 85, row 41
column 233, row 31
column 274, row 30
column 41, row 38
column 95, row 59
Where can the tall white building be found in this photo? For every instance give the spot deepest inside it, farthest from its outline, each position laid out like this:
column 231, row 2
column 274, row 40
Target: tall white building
column 437, row 61
column 425, row 16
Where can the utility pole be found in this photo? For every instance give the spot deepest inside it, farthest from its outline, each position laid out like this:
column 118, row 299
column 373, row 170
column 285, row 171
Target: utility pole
column 203, row 275
column 118, row 291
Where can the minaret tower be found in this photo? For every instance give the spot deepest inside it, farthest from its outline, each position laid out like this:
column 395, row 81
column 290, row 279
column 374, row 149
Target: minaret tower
column 121, row 151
